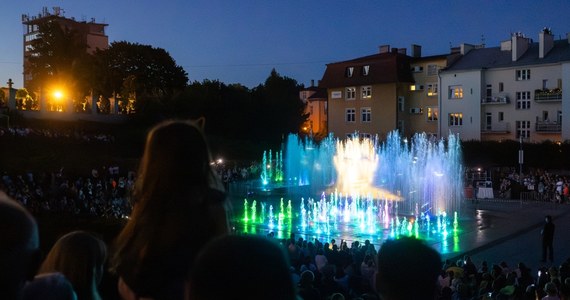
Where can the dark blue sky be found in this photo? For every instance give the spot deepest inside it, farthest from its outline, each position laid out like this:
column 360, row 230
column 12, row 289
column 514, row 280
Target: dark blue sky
column 240, row 41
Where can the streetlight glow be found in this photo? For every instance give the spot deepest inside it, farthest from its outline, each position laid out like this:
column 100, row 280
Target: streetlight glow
column 58, row 95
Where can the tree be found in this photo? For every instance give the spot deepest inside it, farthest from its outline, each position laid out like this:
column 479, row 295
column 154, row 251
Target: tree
column 279, row 108
column 23, row 99
column 59, row 57
column 131, row 70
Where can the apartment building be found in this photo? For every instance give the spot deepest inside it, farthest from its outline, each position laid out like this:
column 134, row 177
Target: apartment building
column 513, row 91
column 423, row 112
column 93, row 33
column 367, row 95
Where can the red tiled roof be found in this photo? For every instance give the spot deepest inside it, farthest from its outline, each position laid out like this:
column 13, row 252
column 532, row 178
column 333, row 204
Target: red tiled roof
column 384, row 68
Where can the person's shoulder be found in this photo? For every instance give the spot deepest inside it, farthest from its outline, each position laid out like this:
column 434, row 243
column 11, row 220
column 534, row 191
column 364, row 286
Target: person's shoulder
column 49, row 286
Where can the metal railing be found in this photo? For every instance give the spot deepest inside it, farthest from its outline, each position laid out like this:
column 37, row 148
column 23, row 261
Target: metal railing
column 548, row 95
column 495, row 100
column 496, row 127
column 546, row 126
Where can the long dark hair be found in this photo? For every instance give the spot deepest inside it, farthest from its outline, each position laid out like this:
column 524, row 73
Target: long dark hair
column 80, row 256
column 178, row 206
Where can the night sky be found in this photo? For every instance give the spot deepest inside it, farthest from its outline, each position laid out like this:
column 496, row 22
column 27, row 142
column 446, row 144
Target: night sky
column 241, row 41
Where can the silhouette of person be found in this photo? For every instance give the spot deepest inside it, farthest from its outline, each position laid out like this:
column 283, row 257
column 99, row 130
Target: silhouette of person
column 80, row 256
column 20, row 255
column 241, row 267
column 547, row 234
column 179, row 205
column 407, row 269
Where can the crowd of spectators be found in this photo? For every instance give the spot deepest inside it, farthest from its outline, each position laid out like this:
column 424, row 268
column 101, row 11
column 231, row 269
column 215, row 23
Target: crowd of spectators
column 62, row 134
column 103, row 194
column 542, row 185
column 318, row 269
column 322, row 269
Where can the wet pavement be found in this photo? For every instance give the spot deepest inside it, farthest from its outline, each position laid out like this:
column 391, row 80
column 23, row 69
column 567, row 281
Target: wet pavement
column 489, row 230
column 496, row 231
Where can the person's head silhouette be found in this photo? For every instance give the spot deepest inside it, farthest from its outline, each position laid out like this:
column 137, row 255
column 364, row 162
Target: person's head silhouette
column 407, row 269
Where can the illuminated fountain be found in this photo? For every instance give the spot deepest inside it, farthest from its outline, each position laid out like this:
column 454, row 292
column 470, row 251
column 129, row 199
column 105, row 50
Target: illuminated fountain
column 360, row 188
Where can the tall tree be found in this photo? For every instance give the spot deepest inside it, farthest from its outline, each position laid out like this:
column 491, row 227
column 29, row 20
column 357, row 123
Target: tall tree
column 58, row 57
column 279, row 108
column 148, row 74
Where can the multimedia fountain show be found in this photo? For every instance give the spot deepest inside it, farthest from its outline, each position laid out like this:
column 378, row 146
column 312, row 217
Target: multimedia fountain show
column 357, row 189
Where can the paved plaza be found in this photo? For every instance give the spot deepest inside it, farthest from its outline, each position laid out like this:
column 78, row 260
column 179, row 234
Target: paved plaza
column 495, row 231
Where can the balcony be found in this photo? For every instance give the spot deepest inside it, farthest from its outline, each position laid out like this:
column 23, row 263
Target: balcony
column 500, row 127
column 495, row 100
column 547, row 95
column 548, row 127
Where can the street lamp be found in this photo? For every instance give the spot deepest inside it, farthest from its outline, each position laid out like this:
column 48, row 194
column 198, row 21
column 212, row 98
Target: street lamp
column 58, row 96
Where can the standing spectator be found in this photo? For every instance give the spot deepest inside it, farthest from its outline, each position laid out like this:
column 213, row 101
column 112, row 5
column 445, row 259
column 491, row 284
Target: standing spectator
column 547, row 239
column 551, row 292
column 179, row 205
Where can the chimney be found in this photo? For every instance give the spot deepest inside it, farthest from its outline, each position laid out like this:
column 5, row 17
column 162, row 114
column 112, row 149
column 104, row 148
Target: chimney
column 416, row 50
column 465, row 48
column 384, row 49
column 312, row 82
column 402, row 51
column 545, row 42
column 506, row 45
column 519, row 44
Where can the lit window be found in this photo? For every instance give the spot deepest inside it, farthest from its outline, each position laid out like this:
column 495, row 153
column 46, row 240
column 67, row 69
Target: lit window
column 350, row 93
column 366, row 92
column 432, row 89
column 365, row 70
column 350, row 115
column 416, row 87
column 455, row 119
column 432, row 113
column 365, row 114
column 523, row 74
column 455, row 92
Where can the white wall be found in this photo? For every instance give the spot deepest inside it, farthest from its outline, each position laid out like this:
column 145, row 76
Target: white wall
column 469, row 106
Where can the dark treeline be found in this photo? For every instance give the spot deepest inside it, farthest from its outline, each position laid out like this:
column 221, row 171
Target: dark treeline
column 265, row 113
column 546, row 155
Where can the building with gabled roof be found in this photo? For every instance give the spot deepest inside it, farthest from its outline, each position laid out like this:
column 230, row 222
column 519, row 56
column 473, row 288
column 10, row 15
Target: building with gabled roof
column 367, row 95
column 513, row 91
